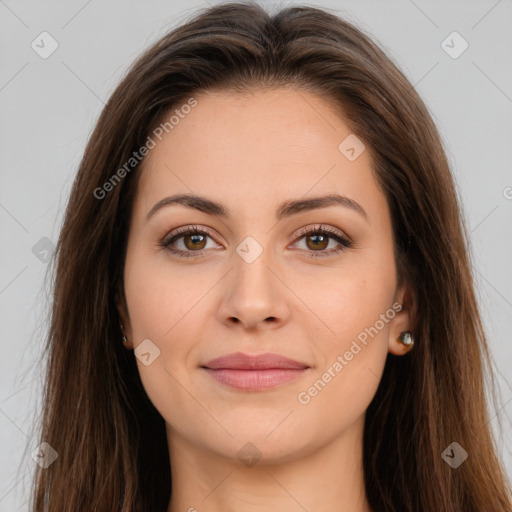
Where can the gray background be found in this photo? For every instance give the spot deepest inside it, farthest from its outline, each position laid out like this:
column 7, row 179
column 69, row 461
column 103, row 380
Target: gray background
column 49, row 107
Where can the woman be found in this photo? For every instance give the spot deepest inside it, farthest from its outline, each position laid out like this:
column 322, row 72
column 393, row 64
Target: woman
column 263, row 298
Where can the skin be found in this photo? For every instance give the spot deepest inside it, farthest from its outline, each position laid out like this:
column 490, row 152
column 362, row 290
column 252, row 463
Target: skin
column 251, row 152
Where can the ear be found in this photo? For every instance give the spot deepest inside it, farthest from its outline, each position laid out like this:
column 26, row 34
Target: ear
column 124, row 317
column 405, row 308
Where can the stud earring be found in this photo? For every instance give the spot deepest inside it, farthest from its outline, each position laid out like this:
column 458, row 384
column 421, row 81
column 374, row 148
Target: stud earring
column 407, row 339
column 124, row 340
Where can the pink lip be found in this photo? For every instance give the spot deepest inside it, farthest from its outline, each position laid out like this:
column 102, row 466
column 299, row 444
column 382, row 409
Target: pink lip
column 253, row 373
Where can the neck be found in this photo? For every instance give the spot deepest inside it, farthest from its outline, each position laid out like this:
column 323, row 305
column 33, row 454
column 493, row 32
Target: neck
column 328, row 478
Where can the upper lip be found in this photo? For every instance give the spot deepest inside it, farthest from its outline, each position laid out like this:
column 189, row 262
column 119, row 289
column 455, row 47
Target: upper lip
column 241, row 361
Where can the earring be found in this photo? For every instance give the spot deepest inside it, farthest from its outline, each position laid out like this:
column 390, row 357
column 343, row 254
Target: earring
column 407, row 339
column 124, row 340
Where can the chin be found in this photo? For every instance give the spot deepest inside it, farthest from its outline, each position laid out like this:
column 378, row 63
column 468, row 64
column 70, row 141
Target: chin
column 253, row 452
column 263, row 443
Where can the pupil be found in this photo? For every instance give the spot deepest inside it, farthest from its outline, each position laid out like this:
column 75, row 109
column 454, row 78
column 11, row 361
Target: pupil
column 317, row 241
column 194, row 241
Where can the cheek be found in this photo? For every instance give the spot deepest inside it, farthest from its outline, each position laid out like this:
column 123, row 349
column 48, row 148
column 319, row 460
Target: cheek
column 352, row 345
column 166, row 306
column 346, row 300
column 161, row 307
column 159, row 296
column 350, row 363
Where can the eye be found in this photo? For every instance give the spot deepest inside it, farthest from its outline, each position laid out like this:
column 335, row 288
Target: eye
column 194, row 240
column 317, row 239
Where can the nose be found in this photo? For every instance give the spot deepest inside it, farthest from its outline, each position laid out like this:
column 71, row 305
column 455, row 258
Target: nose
column 254, row 294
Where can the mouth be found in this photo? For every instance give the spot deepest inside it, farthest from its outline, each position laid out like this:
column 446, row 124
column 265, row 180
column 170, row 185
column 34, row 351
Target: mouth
column 254, row 373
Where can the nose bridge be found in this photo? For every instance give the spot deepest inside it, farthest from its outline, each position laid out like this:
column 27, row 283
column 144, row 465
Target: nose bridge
column 253, row 292
column 253, row 257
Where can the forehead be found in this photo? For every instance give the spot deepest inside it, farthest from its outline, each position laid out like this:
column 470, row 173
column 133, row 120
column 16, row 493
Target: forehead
column 266, row 145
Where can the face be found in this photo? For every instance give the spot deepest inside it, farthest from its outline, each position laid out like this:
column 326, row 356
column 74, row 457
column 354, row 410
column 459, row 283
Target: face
column 315, row 283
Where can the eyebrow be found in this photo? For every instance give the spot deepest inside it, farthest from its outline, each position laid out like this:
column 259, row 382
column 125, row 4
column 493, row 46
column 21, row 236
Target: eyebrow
column 286, row 209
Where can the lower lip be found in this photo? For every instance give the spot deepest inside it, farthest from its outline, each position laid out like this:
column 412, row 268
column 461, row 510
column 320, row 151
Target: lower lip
column 255, row 380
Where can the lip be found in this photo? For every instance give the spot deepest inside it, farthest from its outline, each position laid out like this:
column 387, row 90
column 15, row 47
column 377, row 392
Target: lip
column 254, row 373
column 241, row 361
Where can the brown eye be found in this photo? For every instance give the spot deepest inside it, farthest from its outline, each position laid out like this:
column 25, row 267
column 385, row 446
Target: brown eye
column 187, row 241
column 315, row 242
column 194, row 241
column 317, row 238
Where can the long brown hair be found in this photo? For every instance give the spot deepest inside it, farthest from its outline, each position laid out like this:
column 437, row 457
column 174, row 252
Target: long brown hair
column 110, row 440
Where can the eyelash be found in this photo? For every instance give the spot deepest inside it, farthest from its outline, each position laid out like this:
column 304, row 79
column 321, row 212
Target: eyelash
column 344, row 242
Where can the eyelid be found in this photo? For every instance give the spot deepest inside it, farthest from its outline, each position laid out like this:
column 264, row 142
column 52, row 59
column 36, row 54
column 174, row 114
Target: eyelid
column 314, row 228
column 185, row 230
column 305, row 230
column 336, row 234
